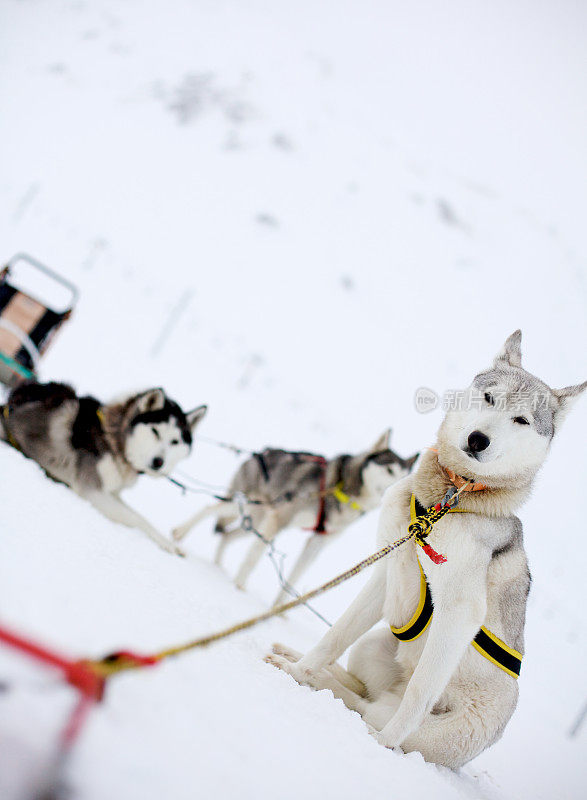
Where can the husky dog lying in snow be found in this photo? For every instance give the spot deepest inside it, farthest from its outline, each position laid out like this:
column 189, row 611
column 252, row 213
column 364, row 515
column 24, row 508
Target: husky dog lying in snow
column 302, row 490
column 448, row 690
column 99, row 450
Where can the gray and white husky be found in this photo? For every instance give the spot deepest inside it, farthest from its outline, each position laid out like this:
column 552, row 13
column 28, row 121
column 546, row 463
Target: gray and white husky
column 99, row 450
column 305, row 491
column 438, row 692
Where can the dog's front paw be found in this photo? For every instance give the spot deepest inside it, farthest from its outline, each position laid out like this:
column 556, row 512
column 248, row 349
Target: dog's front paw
column 290, row 661
column 173, row 549
column 284, row 664
column 392, row 735
column 287, row 652
column 383, row 740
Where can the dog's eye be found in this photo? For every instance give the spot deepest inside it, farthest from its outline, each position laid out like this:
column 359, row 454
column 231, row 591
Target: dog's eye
column 489, row 399
column 175, row 441
column 521, row 420
column 156, row 432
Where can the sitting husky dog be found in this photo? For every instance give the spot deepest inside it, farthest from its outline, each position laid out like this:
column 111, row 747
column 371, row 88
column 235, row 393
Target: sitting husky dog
column 302, row 490
column 448, row 690
column 99, row 450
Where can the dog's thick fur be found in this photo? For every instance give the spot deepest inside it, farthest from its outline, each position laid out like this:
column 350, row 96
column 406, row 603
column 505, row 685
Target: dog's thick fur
column 99, row 450
column 295, row 478
column 437, row 694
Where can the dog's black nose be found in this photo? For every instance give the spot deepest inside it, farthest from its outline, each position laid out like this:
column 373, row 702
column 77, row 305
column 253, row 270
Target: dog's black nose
column 157, row 463
column 478, row 441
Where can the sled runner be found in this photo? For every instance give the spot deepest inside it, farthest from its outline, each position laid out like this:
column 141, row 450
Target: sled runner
column 34, row 303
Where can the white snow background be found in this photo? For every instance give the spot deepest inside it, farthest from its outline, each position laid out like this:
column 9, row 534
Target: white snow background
column 297, row 213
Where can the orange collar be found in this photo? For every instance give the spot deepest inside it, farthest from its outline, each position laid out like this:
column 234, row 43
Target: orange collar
column 458, row 480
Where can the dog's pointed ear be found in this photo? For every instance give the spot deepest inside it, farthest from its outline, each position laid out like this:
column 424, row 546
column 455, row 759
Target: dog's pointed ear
column 382, row 442
column 152, row 400
column 196, row 416
column 566, row 399
column 511, row 352
column 409, row 462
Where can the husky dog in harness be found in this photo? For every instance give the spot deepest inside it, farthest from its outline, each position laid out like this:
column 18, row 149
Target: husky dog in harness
column 99, row 450
column 440, row 677
column 303, row 490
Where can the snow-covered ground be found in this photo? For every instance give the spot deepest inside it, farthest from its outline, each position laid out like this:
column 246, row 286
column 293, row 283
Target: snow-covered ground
column 297, row 213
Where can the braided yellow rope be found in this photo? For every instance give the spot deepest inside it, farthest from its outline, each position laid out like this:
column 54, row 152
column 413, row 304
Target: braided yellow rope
column 111, row 666
column 105, row 668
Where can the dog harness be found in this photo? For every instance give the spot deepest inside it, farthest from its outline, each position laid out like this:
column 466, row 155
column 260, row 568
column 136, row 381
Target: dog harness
column 485, row 642
column 337, row 492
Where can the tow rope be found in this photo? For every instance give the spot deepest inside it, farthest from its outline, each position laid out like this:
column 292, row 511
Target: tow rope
column 89, row 675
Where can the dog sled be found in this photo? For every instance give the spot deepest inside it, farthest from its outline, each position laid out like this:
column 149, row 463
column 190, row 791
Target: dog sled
column 34, row 303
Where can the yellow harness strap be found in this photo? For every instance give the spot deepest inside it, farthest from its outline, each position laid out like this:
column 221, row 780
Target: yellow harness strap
column 485, row 642
column 344, row 498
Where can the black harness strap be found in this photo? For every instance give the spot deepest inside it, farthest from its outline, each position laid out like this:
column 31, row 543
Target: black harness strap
column 503, row 656
column 419, row 621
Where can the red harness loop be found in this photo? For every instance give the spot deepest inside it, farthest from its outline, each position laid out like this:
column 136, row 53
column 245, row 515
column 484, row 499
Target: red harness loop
column 78, row 674
column 128, row 657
